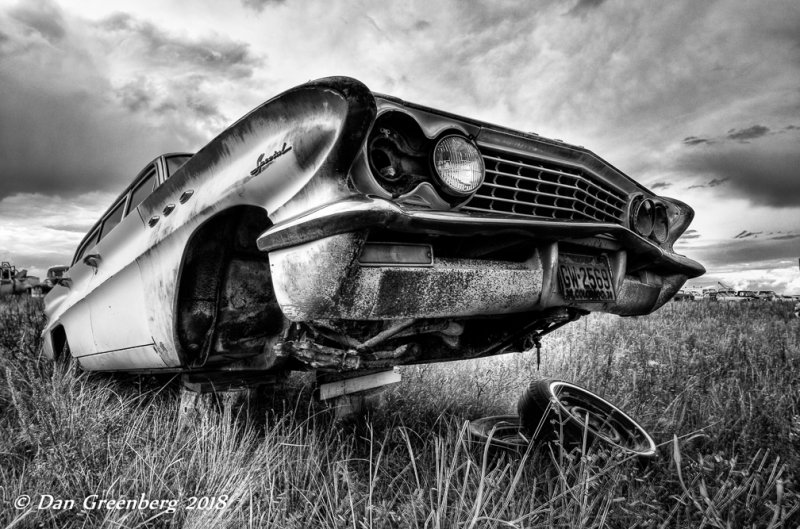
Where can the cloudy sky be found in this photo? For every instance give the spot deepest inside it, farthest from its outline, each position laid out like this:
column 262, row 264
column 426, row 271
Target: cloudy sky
column 697, row 100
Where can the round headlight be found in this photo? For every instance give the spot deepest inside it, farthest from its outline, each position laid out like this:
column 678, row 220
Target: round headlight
column 644, row 217
column 660, row 223
column 458, row 165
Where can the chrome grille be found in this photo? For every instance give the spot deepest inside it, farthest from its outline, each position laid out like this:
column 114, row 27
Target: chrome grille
column 529, row 187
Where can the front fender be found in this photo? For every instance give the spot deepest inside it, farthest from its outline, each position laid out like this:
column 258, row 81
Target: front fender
column 297, row 147
column 293, row 150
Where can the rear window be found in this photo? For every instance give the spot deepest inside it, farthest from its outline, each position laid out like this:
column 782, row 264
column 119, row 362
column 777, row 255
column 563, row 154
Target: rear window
column 112, row 219
column 143, row 190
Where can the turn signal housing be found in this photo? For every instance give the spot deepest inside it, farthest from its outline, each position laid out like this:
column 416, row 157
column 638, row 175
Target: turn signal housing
column 660, row 223
column 643, row 217
column 650, row 218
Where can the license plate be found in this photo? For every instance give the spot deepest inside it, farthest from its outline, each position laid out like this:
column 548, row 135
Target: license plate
column 585, row 278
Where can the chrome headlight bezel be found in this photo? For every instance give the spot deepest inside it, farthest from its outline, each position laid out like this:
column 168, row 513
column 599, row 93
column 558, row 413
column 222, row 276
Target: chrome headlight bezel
column 451, row 183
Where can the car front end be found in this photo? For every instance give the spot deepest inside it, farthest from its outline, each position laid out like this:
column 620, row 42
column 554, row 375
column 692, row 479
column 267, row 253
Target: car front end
column 490, row 234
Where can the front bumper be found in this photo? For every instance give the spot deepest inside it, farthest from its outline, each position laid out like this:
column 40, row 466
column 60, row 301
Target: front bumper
column 316, row 273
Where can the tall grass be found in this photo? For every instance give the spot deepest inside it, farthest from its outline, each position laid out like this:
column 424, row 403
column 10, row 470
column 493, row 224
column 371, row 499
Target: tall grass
column 718, row 387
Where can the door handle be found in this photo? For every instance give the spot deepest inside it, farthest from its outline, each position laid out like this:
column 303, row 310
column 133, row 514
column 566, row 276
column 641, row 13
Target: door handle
column 153, row 220
column 93, row 260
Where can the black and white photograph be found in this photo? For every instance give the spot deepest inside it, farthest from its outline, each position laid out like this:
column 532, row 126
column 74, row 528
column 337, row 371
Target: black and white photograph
column 362, row 264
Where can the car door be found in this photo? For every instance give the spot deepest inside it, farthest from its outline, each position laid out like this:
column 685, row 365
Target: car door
column 117, row 307
column 72, row 301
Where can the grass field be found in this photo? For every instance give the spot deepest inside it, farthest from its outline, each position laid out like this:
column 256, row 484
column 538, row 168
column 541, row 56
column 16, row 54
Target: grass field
column 718, row 387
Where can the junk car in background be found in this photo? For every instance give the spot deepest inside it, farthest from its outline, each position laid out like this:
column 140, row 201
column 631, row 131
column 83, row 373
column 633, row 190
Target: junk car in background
column 54, row 276
column 17, row 282
column 683, row 295
column 340, row 230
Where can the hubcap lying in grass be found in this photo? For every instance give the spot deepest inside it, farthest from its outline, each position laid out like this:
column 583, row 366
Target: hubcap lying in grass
column 556, row 410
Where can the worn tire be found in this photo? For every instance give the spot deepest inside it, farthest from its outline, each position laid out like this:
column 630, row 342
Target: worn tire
column 557, row 410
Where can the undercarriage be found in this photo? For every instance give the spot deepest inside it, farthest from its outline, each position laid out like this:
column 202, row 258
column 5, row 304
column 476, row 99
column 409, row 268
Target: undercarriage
column 336, row 346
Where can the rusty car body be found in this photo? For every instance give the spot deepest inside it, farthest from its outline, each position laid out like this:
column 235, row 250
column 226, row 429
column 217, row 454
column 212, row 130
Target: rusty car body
column 340, row 230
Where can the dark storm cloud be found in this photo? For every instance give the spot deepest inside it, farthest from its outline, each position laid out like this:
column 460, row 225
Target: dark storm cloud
column 134, row 97
column 54, row 144
column 738, row 135
column 756, row 131
column 744, row 234
column 41, row 16
column 419, row 25
column 259, row 5
column 65, row 128
column 183, row 71
column 660, row 185
column 714, row 182
column 204, row 108
column 694, row 140
column 140, row 95
column 78, row 140
column 733, row 252
column 214, row 55
column 764, row 174
column 583, row 6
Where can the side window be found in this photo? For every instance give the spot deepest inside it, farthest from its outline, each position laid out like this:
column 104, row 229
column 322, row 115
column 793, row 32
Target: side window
column 112, row 219
column 141, row 191
column 91, row 241
column 174, row 163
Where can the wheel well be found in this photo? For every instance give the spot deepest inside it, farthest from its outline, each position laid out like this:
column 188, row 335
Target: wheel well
column 226, row 307
column 58, row 336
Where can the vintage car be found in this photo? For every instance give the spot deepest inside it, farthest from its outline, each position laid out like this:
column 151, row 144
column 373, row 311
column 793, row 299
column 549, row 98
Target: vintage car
column 728, row 295
column 17, row 282
column 340, row 230
column 710, row 294
column 683, row 295
column 53, row 277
